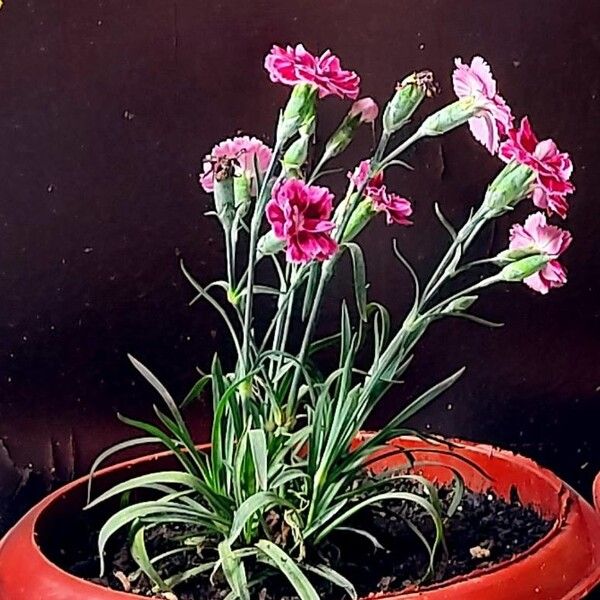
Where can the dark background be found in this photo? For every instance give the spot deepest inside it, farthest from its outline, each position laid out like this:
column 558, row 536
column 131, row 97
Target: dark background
column 106, row 110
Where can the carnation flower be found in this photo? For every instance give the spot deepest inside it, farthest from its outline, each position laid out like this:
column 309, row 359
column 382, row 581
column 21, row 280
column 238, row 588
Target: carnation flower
column 292, row 66
column 396, row 208
column 553, row 168
column 494, row 118
column 548, row 240
column 300, row 215
column 246, row 151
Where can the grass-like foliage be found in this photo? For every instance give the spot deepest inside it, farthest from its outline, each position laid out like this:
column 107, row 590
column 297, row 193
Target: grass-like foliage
column 286, row 468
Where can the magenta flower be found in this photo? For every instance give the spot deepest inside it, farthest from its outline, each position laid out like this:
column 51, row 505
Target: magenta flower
column 553, row 168
column 296, row 65
column 548, row 240
column 495, row 117
column 246, row 150
column 300, row 215
column 396, row 208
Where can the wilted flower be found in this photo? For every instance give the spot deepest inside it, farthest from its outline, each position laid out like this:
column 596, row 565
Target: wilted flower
column 552, row 168
column 409, row 95
column 292, row 66
column 300, row 215
column 244, row 151
column 546, row 240
column 494, row 118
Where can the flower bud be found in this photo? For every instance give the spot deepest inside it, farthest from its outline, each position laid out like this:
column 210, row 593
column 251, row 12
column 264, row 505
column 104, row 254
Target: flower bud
column 269, row 244
column 409, row 95
column 224, row 198
column 523, row 268
column 362, row 111
column 359, row 219
column 242, row 191
column 296, row 155
column 450, row 117
column 510, row 186
column 460, row 304
column 299, row 111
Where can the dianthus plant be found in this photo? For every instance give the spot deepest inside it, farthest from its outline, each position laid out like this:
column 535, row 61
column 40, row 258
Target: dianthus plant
column 287, row 468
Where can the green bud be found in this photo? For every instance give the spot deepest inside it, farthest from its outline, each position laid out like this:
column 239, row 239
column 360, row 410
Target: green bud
column 362, row 111
column 409, row 95
column 460, row 304
column 296, row 155
column 269, row 244
column 300, row 111
column 510, row 186
column 450, row 117
column 523, row 268
column 359, row 219
column 224, row 200
column 241, row 191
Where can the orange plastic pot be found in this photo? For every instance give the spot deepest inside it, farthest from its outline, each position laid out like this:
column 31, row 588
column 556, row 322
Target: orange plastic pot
column 564, row 565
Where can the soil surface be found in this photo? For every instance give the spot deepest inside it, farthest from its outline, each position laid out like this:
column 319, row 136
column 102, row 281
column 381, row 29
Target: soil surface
column 483, row 531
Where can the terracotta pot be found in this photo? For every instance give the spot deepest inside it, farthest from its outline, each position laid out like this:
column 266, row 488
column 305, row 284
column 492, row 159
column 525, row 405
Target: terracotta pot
column 564, row 565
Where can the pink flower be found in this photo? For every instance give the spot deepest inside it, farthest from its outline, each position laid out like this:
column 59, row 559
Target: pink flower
column 300, row 215
column 396, row 208
column 296, row 65
column 495, row 117
column 548, row 240
column 246, row 150
column 366, row 108
column 359, row 176
column 553, row 168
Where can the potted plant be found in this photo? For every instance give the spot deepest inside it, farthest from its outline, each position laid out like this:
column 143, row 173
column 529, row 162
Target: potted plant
column 292, row 499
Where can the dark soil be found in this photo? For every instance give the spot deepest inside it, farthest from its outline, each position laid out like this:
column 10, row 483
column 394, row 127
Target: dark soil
column 483, row 531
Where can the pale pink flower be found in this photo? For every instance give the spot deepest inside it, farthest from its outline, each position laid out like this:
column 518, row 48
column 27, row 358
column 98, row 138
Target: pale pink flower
column 296, row 65
column 548, row 240
column 553, row 168
column 396, row 208
column 366, row 108
column 300, row 215
column 246, row 151
column 495, row 117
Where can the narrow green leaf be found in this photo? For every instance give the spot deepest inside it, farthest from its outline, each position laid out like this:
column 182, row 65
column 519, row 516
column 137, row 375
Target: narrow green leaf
column 360, row 278
column 334, row 577
column 234, row 571
column 289, row 568
column 258, row 447
column 140, row 556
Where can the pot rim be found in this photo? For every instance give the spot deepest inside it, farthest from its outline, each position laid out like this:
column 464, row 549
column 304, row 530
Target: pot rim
column 567, row 498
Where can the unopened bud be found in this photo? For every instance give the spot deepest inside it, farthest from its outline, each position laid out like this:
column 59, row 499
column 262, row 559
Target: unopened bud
column 409, row 95
column 364, row 110
column 460, row 304
column 450, row 117
column 269, row 244
column 296, row 155
column 299, row 111
column 523, row 268
column 359, row 219
column 510, row 186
